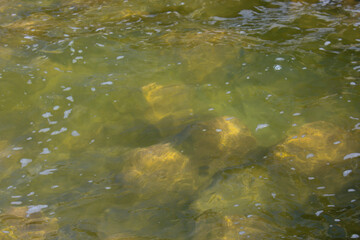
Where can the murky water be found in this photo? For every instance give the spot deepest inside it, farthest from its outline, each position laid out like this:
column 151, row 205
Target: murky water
column 179, row 119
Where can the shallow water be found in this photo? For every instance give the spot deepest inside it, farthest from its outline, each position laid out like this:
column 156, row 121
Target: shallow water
column 88, row 88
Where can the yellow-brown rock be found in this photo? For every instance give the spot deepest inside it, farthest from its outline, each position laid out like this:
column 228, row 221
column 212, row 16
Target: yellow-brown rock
column 314, row 146
column 4, row 149
column 252, row 227
column 158, row 168
column 195, row 38
column 205, row 50
column 170, row 106
column 161, row 98
column 221, row 136
column 19, row 223
column 6, row 54
column 231, row 227
column 9, row 159
column 84, row 2
column 121, row 236
column 123, row 14
column 204, row 60
column 198, row 52
column 242, row 188
column 207, row 37
column 33, row 24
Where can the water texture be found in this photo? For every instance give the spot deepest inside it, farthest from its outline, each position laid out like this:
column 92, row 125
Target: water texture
column 165, row 119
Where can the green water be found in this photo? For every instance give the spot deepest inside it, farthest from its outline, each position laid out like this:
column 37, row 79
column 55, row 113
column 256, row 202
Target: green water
column 74, row 114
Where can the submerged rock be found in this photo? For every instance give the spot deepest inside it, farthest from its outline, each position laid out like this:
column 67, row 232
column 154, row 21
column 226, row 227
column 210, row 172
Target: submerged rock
column 220, row 136
column 218, row 143
column 241, row 191
column 143, row 221
column 27, row 223
column 171, row 106
column 202, row 9
column 231, row 227
column 243, row 203
column 200, row 53
column 11, row 159
column 4, row 149
column 202, row 60
column 34, row 24
column 205, row 51
column 158, row 168
column 156, row 182
column 126, row 237
column 166, row 100
column 313, row 147
column 319, row 165
column 5, row 55
column 194, row 38
column 120, row 14
column 211, row 37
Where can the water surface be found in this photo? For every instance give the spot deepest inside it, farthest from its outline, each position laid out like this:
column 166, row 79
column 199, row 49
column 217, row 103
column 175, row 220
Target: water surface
column 91, row 89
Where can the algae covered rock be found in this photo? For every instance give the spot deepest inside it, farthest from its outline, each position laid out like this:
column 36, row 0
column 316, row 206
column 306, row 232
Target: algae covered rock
column 250, row 227
column 156, row 182
column 10, row 159
column 194, row 38
column 221, row 136
column 5, row 55
column 231, row 227
column 116, row 14
column 202, row 52
column 4, row 149
column 121, row 236
column 204, row 9
column 205, row 52
column 25, row 223
column 158, row 168
column 171, row 106
column 313, row 147
column 241, row 191
column 36, row 23
column 201, row 61
column 157, row 221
